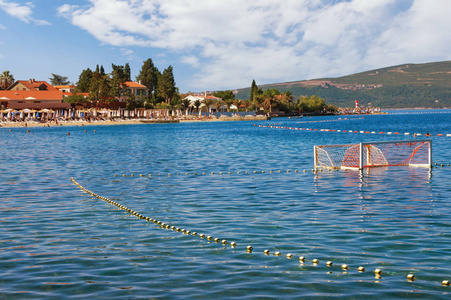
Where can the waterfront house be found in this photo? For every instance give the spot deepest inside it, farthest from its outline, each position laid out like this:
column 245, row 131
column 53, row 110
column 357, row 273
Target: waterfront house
column 32, row 94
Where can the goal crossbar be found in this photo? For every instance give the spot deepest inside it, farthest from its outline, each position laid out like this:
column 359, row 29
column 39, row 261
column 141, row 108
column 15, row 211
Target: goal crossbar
column 416, row 153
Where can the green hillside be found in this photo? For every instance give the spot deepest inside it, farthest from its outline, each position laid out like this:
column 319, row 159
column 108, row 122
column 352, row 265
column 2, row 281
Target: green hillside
column 408, row 85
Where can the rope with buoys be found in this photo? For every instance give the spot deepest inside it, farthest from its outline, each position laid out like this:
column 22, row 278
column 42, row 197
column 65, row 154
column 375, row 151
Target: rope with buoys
column 169, row 174
column 249, row 249
column 353, row 131
column 273, row 172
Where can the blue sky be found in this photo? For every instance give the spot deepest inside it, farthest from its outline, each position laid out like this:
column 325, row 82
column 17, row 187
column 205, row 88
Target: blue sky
column 221, row 44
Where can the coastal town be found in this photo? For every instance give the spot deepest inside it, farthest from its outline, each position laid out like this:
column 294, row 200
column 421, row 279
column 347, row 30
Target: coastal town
column 36, row 102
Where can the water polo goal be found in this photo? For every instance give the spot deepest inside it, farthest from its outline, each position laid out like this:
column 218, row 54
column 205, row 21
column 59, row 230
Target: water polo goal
column 417, row 153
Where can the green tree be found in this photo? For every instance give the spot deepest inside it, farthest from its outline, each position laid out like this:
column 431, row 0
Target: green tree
column 99, row 89
column 166, row 85
column 218, row 104
column 311, row 104
column 286, row 102
column 185, row 105
column 237, row 103
column 247, row 104
column 269, row 99
column 6, row 79
column 331, row 108
column 197, row 104
column 127, row 72
column 117, row 81
column 228, row 102
column 74, row 98
column 58, row 80
column 84, row 81
column 225, row 95
column 208, row 103
column 254, row 91
column 148, row 76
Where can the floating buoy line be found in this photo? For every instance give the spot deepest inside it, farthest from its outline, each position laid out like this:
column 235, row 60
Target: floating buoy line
column 169, row 174
column 249, row 249
column 215, row 173
column 354, row 131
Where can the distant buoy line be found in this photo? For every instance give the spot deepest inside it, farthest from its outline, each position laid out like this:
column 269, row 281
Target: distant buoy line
column 169, row 174
column 354, row 131
column 344, row 268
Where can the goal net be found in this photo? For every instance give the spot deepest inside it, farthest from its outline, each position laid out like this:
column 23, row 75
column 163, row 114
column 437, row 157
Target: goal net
column 375, row 154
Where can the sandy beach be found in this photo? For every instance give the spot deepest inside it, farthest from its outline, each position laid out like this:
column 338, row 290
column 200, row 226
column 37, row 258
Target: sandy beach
column 126, row 122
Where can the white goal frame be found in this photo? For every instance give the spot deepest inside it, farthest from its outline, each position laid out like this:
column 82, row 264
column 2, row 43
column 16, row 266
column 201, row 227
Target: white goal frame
column 415, row 153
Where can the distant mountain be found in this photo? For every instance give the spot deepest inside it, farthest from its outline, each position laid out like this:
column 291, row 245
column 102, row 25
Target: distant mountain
column 408, row 85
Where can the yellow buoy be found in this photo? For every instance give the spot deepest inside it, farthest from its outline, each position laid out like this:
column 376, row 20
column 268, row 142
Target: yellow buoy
column 445, row 282
column 344, row 267
column 233, row 244
column 209, row 238
column 301, row 258
column 277, row 253
column 266, row 252
column 410, row 277
column 361, row 269
column 216, row 240
column 329, row 263
column 378, row 271
column 289, row 255
column 315, row 261
column 224, row 242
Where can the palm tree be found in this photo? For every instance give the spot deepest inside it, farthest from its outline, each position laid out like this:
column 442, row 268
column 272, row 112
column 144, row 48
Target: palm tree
column 208, row 103
column 185, row 105
column 6, row 79
column 197, row 104
column 229, row 103
column 218, row 104
column 247, row 104
column 237, row 103
column 269, row 97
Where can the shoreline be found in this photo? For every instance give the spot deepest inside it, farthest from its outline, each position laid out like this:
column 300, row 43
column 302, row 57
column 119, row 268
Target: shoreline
column 125, row 122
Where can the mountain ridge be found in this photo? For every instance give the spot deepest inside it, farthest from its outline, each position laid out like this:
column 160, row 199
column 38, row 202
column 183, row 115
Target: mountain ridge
column 401, row 86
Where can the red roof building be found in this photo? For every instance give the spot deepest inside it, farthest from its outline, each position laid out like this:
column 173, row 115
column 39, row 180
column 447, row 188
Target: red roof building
column 31, row 85
column 32, row 94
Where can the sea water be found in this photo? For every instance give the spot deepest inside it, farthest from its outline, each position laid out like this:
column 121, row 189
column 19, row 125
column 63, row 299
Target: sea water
column 57, row 242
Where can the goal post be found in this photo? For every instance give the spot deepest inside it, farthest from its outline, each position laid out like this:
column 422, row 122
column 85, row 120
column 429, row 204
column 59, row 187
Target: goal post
column 417, row 153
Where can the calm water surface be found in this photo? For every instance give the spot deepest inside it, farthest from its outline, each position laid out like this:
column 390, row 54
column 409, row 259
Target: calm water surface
column 59, row 242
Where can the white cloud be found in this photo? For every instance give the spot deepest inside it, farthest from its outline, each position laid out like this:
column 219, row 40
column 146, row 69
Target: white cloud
column 191, row 60
column 2, row 27
column 232, row 42
column 22, row 12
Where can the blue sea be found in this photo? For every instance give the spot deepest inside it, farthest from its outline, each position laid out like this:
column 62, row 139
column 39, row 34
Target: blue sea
column 58, row 242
